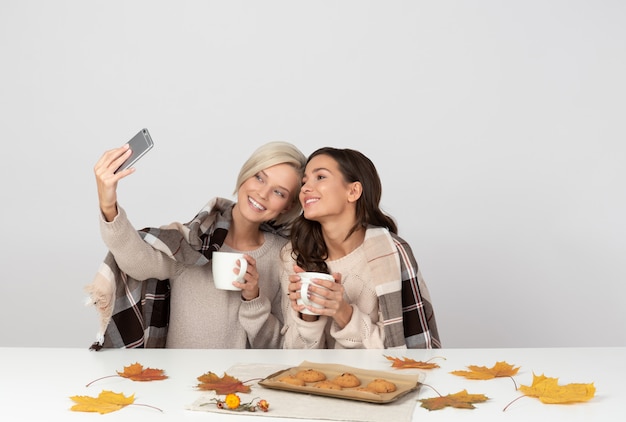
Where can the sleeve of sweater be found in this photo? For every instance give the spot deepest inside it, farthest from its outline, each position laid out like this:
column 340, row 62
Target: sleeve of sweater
column 134, row 256
column 262, row 318
column 300, row 334
column 261, row 325
column 360, row 333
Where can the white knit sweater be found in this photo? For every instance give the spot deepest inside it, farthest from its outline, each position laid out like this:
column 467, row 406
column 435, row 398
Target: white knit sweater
column 364, row 329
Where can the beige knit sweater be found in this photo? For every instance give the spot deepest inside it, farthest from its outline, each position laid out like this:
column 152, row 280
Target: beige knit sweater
column 202, row 316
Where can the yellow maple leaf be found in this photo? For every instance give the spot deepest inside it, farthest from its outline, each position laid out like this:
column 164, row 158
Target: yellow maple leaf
column 548, row 390
column 106, row 402
column 500, row 369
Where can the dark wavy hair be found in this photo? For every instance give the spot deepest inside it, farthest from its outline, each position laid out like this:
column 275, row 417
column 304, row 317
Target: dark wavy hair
column 309, row 248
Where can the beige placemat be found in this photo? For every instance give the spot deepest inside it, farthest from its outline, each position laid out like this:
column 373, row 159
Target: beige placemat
column 287, row 404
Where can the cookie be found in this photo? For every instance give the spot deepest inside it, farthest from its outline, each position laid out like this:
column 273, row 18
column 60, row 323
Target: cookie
column 327, row 384
column 380, row 385
column 347, row 380
column 290, row 379
column 310, row 375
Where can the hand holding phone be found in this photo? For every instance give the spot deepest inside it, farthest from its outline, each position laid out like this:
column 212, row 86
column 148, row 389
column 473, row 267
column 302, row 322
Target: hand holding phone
column 140, row 144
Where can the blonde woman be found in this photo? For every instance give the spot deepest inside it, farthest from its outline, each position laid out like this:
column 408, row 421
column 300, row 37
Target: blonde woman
column 155, row 287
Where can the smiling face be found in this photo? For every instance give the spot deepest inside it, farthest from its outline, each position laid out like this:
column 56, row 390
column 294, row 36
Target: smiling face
column 267, row 194
column 325, row 195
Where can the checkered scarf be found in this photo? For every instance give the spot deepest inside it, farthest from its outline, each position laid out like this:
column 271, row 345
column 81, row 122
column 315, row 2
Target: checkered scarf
column 135, row 313
column 405, row 304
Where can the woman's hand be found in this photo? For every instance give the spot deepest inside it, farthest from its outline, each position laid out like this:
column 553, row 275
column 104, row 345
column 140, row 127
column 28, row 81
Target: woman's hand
column 249, row 289
column 106, row 179
column 293, row 291
column 331, row 296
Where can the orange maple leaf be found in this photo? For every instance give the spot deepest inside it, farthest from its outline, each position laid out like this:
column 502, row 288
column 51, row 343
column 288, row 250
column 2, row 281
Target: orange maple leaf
column 106, row 402
column 221, row 385
column 410, row 363
column 500, row 369
column 548, row 390
column 136, row 372
column 460, row 400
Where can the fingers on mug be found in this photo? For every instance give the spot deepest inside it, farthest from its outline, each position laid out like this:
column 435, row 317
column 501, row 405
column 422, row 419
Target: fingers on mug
column 306, row 280
column 243, row 268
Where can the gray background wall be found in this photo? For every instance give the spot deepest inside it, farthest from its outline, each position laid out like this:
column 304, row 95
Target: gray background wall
column 498, row 129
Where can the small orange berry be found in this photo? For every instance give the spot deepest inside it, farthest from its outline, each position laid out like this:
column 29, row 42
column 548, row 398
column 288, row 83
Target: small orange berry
column 263, row 405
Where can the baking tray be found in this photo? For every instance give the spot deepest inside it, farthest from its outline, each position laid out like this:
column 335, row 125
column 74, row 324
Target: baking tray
column 404, row 383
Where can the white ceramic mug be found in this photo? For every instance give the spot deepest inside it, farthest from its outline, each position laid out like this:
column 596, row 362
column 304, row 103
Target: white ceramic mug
column 306, row 278
column 223, row 265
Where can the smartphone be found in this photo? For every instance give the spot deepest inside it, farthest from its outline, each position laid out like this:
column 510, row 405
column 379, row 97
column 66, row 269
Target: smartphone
column 140, row 144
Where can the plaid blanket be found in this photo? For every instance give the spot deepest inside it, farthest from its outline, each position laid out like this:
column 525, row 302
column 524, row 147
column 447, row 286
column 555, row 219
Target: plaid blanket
column 135, row 313
column 404, row 300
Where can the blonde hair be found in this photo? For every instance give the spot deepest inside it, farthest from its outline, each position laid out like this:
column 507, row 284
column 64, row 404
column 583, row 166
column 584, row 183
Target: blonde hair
column 272, row 154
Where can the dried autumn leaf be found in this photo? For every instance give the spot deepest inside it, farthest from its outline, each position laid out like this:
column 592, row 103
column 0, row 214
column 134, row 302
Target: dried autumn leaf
column 136, row 372
column 460, row 400
column 221, row 385
column 106, row 402
column 410, row 363
column 500, row 369
column 548, row 390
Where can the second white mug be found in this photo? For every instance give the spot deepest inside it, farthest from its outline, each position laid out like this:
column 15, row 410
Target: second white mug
column 306, row 278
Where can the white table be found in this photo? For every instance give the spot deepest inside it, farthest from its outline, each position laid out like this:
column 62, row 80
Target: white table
column 36, row 383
